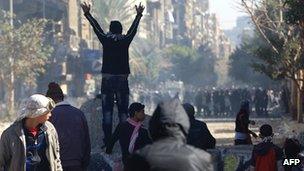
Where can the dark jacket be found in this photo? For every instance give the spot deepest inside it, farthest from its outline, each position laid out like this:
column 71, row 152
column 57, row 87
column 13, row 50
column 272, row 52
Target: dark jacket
column 115, row 47
column 169, row 151
column 199, row 135
column 73, row 134
column 123, row 133
column 242, row 122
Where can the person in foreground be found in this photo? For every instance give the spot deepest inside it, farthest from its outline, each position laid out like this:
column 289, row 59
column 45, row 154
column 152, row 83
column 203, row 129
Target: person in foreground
column 31, row 142
column 131, row 135
column 73, row 132
column 199, row 135
column 266, row 156
column 169, row 151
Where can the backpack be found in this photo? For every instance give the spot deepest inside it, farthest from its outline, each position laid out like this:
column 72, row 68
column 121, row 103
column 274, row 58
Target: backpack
column 267, row 162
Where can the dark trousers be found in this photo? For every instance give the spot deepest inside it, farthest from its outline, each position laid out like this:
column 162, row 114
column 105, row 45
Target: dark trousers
column 241, row 142
column 114, row 88
column 73, row 168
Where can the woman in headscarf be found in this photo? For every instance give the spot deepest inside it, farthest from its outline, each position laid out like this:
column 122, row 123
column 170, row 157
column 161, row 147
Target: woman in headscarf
column 31, row 142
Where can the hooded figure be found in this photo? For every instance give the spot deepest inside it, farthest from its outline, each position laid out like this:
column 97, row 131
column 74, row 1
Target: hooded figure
column 169, row 127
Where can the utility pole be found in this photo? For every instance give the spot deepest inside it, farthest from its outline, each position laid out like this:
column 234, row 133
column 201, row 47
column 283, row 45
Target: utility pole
column 11, row 87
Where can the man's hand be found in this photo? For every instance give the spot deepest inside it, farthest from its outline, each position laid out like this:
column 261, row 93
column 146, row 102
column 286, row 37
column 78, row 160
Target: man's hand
column 139, row 9
column 85, row 7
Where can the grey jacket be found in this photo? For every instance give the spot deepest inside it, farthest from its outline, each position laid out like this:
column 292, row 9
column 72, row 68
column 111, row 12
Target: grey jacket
column 169, row 151
column 13, row 148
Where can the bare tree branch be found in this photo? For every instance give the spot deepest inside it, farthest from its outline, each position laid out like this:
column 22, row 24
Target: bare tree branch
column 259, row 28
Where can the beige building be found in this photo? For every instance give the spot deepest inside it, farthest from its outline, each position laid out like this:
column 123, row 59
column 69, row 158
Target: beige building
column 70, row 34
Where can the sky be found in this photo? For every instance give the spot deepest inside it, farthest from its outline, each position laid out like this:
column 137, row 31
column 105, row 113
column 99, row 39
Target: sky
column 227, row 11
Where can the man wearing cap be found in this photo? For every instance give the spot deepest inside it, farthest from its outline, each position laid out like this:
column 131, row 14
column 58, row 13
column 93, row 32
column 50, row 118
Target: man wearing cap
column 131, row 135
column 72, row 128
column 31, row 142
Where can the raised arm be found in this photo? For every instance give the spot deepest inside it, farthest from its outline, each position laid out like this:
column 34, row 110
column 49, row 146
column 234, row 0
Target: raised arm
column 133, row 29
column 96, row 27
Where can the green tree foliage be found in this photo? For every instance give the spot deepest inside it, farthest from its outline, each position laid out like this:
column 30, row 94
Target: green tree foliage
column 191, row 66
column 241, row 62
column 23, row 53
column 295, row 12
column 277, row 43
column 281, row 53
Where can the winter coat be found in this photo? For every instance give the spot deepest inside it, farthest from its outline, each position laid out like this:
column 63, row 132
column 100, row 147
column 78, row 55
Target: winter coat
column 73, row 132
column 199, row 135
column 123, row 133
column 13, row 150
column 169, row 126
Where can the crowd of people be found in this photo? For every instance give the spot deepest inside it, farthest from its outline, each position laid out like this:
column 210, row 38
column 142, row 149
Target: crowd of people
column 50, row 134
column 221, row 102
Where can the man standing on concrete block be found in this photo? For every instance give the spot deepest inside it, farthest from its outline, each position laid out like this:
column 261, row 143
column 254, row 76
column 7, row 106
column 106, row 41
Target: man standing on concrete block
column 115, row 67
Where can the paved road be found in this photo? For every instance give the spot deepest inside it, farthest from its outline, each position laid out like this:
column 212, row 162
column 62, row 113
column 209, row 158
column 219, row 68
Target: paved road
column 223, row 129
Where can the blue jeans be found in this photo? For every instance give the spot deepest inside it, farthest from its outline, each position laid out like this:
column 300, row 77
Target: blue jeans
column 114, row 88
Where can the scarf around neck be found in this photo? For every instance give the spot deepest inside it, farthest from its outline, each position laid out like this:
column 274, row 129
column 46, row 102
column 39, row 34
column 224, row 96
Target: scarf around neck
column 134, row 136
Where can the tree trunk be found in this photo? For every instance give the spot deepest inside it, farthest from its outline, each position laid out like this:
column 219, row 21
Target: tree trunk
column 300, row 106
column 301, row 75
column 293, row 100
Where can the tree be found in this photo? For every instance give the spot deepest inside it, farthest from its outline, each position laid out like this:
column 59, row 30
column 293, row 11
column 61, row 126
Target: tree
column 241, row 61
column 282, row 49
column 181, row 58
column 204, row 67
column 191, row 66
column 23, row 54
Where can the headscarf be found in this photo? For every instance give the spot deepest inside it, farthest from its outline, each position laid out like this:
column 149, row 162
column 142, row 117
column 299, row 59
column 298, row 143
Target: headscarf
column 36, row 105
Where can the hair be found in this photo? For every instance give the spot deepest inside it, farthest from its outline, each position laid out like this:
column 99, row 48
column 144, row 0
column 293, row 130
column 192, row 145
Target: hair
column 54, row 92
column 266, row 130
column 135, row 107
column 115, row 27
